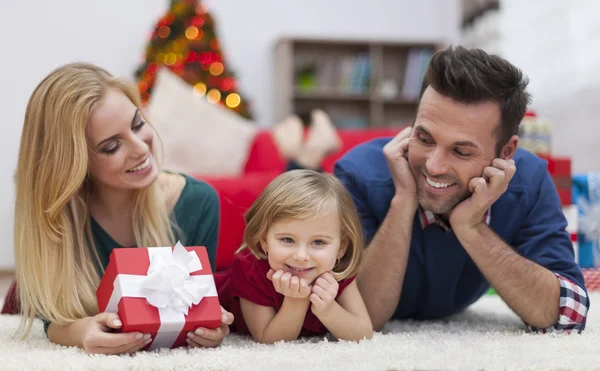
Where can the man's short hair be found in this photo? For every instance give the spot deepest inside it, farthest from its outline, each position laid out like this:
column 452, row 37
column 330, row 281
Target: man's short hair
column 473, row 76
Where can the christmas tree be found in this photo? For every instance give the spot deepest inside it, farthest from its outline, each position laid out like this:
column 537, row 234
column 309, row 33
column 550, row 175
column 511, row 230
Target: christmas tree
column 184, row 40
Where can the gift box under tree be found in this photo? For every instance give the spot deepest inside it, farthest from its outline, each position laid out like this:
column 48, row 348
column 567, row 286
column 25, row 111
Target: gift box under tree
column 162, row 291
column 586, row 195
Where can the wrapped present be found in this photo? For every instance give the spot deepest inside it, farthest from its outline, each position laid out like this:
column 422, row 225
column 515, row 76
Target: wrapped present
column 586, row 195
column 591, row 276
column 560, row 170
column 162, row 291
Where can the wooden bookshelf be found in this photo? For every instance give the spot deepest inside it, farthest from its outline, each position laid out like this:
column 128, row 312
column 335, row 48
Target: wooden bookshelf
column 359, row 83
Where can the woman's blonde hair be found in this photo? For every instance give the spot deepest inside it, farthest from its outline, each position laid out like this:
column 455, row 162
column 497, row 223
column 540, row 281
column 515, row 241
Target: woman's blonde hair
column 304, row 194
column 57, row 265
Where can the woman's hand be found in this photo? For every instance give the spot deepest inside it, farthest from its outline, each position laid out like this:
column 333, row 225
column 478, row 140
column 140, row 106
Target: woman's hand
column 97, row 336
column 210, row 338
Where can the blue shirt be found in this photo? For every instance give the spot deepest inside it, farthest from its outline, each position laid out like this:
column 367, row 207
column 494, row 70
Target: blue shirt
column 441, row 278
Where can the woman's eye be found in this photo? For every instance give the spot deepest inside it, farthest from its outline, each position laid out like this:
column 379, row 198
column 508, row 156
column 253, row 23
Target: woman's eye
column 113, row 149
column 139, row 126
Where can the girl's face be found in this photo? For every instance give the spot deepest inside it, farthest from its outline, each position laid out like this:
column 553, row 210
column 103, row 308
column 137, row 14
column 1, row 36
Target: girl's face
column 120, row 144
column 305, row 248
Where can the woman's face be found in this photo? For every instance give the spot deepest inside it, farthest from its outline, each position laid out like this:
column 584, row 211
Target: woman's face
column 120, row 144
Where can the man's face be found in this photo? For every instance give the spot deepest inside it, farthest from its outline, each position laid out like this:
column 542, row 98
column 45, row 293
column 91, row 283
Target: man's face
column 451, row 143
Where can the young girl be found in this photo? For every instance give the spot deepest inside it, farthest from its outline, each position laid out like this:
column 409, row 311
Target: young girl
column 295, row 273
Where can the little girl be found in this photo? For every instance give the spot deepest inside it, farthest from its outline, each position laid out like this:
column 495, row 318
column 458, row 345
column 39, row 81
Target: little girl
column 295, row 273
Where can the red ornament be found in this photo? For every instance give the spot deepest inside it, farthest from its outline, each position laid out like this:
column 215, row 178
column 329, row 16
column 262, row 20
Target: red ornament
column 191, row 57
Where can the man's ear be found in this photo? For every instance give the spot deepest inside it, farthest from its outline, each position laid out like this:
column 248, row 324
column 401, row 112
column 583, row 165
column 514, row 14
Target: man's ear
column 509, row 149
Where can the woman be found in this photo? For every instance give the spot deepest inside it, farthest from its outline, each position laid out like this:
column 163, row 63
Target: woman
column 88, row 181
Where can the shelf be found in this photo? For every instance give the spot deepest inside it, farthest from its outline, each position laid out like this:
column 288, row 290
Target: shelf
column 331, row 95
column 400, row 101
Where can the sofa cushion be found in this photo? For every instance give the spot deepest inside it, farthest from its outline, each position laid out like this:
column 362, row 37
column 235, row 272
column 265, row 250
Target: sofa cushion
column 198, row 137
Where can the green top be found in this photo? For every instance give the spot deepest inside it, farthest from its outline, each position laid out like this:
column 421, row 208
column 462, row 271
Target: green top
column 196, row 213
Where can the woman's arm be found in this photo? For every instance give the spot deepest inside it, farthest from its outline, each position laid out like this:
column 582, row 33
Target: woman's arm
column 268, row 326
column 347, row 317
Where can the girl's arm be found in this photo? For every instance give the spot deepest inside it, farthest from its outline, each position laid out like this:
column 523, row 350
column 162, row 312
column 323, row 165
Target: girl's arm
column 268, row 326
column 347, row 317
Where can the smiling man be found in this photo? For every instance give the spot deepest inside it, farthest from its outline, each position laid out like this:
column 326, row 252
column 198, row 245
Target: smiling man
column 451, row 206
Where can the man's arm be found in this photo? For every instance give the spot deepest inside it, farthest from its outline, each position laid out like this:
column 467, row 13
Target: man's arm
column 382, row 271
column 384, row 264
column 529, row 289
column 537, row 276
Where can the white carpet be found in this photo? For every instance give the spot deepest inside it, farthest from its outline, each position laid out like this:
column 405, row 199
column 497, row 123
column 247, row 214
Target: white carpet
column 487, row 336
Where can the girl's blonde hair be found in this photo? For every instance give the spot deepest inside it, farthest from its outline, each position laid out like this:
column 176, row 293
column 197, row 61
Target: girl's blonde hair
column 57, row 266
column 304, row 194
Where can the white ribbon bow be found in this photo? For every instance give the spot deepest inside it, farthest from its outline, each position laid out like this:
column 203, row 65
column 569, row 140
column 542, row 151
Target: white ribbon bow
column 168, row 283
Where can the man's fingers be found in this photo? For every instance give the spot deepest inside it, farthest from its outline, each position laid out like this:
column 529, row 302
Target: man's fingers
column 508, row 166
column 477, row 185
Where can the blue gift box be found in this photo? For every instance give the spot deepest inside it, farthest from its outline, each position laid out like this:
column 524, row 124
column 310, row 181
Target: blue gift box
column 586, row 195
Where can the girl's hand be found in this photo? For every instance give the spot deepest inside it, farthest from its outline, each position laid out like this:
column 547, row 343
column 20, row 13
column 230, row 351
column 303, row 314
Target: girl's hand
column 97, row 336
column 210, row 338
column 288, row 285
column 324, row 292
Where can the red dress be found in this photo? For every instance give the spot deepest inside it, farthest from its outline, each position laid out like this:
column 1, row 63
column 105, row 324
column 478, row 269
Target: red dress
column 247, row 278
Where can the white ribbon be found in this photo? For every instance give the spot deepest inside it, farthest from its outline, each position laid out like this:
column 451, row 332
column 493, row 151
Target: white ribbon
column 167, row 286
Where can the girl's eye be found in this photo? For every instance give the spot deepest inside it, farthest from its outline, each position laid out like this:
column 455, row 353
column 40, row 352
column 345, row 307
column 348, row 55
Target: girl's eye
column 319, row 242
column 287, row 240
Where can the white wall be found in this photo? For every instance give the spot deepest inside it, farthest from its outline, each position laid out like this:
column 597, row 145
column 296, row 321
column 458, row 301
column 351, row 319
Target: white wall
column 557, row 44
column 39, row 36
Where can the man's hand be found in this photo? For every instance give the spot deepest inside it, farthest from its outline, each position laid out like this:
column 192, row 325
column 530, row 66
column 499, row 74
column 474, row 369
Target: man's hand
column 485, row 191
column 396, row 154
column 210, row 338
column 324, row 292
column 288, row 285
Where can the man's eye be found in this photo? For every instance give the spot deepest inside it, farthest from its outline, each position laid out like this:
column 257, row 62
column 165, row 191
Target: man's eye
column 461, row 153
column 424, row 140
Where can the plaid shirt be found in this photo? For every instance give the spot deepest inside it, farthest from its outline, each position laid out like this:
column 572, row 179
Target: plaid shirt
column 574, row 302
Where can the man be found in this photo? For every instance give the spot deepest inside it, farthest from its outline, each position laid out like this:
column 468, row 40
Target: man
column 450, row 206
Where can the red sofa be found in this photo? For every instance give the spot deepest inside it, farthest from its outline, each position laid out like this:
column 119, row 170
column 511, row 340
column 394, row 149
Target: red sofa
column 236, row 194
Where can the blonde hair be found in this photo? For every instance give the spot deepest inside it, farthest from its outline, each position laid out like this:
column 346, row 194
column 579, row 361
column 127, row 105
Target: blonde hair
column 304, row 194
column 57, row 266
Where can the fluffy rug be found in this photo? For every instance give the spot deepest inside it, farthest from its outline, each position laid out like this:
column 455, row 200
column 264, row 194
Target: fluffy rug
column 487, row 336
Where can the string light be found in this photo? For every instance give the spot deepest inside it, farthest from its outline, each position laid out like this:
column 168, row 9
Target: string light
column 216, row 68
column 164, row 32
column 170, row 59
column 233, row 100
column 214, row 44
column 200, row 88
column 213, row 96
column 142, row 86
column 191, row 32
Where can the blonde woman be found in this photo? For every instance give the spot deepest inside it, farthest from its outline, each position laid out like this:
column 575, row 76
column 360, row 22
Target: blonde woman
column 88, row 181
column 295, row 274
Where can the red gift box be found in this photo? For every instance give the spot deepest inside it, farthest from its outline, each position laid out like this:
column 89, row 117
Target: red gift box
column 591, row 276
column 124, row 290
column 560, row 170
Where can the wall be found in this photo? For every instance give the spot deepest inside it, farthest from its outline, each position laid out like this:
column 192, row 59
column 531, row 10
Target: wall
column 556, row 43
column 39, row 36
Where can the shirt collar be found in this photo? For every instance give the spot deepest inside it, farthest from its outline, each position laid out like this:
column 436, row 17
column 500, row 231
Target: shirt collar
column 428, row 218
